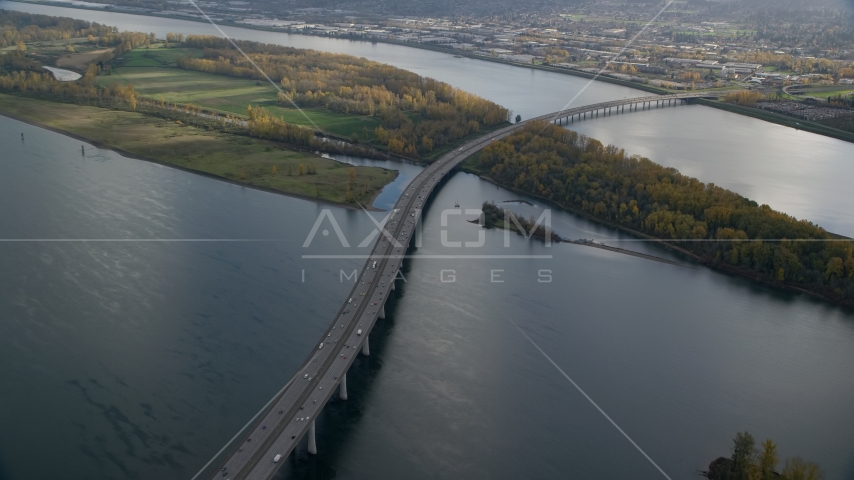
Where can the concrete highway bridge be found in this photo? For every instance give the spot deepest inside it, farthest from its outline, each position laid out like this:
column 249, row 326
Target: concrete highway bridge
column 260, row 452
column 564, row 117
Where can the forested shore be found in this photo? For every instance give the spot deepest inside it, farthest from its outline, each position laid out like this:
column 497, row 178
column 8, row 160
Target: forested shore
column 748, row 462
column 719, row 227
column 417, row 114
column 114, row 115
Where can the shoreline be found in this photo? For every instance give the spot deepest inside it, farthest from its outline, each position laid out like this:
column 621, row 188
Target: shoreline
column 762, row 115
column 132, row 156
column 720, row 267
column 575, row 73
column 633, row 253
column 779, row 119
column 585, row 243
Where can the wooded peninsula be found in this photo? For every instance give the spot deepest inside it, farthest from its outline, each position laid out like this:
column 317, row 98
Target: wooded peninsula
column 718, row 227
column 399, row 112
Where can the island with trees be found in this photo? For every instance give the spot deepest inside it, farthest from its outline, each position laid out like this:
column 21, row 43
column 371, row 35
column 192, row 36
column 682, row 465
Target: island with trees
column 748, row 462
column 718, row 227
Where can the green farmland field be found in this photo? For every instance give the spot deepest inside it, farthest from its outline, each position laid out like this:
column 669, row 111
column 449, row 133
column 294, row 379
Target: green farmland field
column 153, row 74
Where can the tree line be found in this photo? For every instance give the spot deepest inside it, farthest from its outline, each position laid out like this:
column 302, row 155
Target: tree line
column 748, row 462
column 19, row 27
column 581, row 173
column 417, row 114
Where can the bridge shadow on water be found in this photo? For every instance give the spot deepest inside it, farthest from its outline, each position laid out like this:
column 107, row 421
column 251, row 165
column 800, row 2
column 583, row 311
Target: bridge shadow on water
column 341, row 417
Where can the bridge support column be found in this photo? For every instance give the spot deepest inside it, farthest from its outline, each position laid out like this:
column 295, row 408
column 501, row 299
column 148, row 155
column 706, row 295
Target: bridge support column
column 381, row 316
column 366, row 347
column 312, row 440
column 342, row 389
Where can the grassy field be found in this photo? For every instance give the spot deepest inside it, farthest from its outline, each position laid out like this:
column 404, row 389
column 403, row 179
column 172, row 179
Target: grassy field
column 238, row 159
column 154, row 74
column 79, row 61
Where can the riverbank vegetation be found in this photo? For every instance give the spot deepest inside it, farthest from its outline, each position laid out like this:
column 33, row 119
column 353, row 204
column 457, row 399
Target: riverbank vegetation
column 831, row 118
column 497, row 217
column 154, row 73
column 417, row 115
column 748, row 462
column 180, row 134
column 717, row 226
column 360, row 102
column 238, row 159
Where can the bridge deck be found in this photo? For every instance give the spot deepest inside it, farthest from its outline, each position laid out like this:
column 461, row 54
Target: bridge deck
column 290, row 415
column 626, row 101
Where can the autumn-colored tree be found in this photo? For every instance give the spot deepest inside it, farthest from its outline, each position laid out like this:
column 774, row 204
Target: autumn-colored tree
column 351, row 177
column 380, row 134
column 744, row 97
column 768, row 460
column 798, row 469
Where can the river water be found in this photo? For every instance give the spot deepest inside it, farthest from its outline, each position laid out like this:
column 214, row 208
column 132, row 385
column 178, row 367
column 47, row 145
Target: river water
column 141, row 359
column 799, row 173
